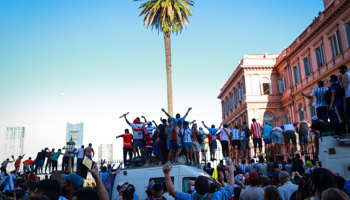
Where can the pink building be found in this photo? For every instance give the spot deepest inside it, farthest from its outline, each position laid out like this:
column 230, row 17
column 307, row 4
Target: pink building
column 268, row 87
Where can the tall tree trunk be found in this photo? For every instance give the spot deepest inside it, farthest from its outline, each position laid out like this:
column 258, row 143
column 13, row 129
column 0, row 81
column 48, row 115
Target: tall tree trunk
column 167, row 43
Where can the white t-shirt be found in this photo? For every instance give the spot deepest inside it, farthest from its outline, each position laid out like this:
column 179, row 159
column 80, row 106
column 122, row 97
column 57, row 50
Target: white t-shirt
column 136, row 130
column 81, row 153
column 277, row 129
column 224, row 134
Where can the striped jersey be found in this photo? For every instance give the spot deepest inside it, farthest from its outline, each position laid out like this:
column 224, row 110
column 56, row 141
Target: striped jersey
column 256, row 129
column 235, row 134
column 243, row 167
column 187, row 135
column 137, row 133
column 212, row 132
column 319, row 93
column 150, row 130
column 225, row 132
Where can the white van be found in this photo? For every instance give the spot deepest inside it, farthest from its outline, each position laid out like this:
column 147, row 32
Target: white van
column 141, row 176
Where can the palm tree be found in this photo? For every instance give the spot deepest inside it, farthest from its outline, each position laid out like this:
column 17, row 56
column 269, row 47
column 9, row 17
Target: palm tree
column 168, row 16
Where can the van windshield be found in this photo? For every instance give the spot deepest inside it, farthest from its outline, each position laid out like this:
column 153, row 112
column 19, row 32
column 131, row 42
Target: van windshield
column 185, row 181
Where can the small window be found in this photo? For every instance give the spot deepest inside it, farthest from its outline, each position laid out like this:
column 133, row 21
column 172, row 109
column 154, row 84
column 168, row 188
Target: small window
column 266, row 86
column 185, row 183
column 335, row 44
column 319, row 56
column 301, row 112
column 347, row 33
column 296, row 73
column 160, row 180
column 307, row 66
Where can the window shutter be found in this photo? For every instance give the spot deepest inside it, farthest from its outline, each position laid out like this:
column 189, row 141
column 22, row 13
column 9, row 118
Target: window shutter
column 309, row 64
column 317, row 54
column 298, row 73
column 321, row 54
column 347, row 33
column 337, row 42
column 280, row 86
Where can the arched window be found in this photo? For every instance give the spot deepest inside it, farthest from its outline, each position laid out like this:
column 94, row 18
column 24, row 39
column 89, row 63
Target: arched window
column 266, row 86
column 301, row 112
column 269, row 117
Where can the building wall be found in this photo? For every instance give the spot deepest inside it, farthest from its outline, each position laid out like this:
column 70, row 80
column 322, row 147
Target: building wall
column 14, row 142
column 76, row 131
column 285, row 103
column 105, row 151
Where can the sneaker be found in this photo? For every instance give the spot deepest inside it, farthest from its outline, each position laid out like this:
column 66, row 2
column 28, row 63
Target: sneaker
column 146, row 165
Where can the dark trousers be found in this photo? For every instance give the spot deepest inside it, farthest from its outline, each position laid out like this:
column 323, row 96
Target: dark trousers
column 3, row 170
column 64, row 163
column 125, row 152
column 341, row 128
column 54, row 165
column 48, row 163
column 224, row 145
column 79, row 160
column 162, row 151
column 347, row 100
column 322, row 112
column 147, row 153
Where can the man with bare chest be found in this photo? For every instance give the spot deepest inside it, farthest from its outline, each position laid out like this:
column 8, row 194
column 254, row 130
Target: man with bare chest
column 89, row 151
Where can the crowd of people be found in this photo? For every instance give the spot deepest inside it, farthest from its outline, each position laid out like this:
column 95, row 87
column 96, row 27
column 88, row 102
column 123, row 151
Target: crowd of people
column 292, row 176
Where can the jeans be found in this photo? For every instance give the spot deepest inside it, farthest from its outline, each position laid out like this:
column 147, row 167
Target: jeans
column 125, row 152
column 147, row 153
column 25, row 168
column 48, row 163
column 322, row 112
column 3, row 170
column 54, row 165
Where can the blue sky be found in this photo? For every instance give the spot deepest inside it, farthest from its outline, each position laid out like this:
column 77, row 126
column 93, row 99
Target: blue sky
column 106, row 62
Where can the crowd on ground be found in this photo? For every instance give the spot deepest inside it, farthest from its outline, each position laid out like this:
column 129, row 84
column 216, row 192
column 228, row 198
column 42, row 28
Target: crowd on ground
column 293, row 176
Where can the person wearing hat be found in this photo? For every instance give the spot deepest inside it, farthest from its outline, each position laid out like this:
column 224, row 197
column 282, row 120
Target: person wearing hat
column 48, row 187
column 72, row 182
column 213, row 145
column 137, row 144
column 120, row 188
column 201, row 186
column 177, row 117
column 254, row 191
column 28, row 188
column 267, row 131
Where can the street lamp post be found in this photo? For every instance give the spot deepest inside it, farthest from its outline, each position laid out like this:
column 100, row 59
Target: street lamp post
column 70, row 146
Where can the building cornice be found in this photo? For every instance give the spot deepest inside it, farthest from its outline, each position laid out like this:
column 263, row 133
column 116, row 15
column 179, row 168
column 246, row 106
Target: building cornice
column 258, row 68
column 331, row 12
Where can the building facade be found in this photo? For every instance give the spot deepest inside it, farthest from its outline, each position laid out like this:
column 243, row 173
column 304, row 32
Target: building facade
column 268, row 87
column 14, row 142
column 75, row 130
column 105, row 151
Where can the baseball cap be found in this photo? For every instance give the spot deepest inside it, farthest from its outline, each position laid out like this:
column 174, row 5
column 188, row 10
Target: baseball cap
column 194, row 124
column 267, row 122
column 276, row 175
column 200, row 128
column 29, row 184
column 213, row 126
column 120, row 185
column 76, row 180
column 253, row 176
column 49, row 184
column 136, row 120
column 314, row 118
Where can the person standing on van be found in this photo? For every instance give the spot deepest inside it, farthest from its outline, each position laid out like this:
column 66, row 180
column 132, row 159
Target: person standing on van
column 256, row 129
column 187, row 142
column 321, row 106
column 127, row 147
column 213, row 145
column 336, row 106
column 224, row 135
column 177, row 143
column 169, row 139
column 162, row 146
column 196, row 141
column 177, row 117
column 80, row 156
column 137, row 142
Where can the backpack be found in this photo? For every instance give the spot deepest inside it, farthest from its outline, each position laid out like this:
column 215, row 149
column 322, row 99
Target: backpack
column 196, row 197
column 247, row 132
column 328, row 96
